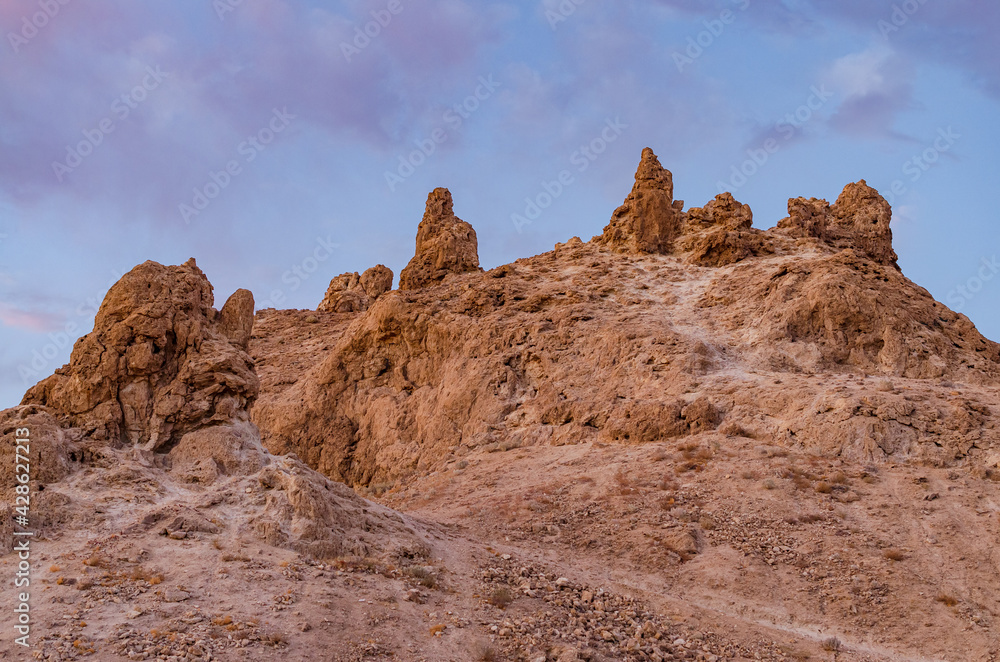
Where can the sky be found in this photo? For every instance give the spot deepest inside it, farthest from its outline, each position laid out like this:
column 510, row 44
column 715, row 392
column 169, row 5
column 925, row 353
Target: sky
column 282, row 143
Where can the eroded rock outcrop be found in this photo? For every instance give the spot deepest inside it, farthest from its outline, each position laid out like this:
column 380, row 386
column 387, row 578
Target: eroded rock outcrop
column 630, row 338
column 157, row 399
column 161, row 362
column 445, row 245
column 806, row 218
column 353, row 293
column 650, row 220
column 721, row 233
column 863, row 216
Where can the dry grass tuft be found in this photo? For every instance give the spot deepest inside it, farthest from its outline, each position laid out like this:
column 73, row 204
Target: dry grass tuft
column 501, row 598
column 946, row 599
column 894, row 555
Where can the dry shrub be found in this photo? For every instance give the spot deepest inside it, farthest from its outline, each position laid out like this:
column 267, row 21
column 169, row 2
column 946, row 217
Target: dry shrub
column 946, row 599
column 426, row 578
column 501, row 597
column 485, row 653
column 97, row 560
column 894, row 555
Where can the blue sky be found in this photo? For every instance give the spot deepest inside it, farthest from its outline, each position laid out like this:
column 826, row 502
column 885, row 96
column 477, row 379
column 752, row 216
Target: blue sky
column 115, row 115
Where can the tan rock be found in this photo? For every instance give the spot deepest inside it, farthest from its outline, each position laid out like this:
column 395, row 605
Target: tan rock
column 160, row 362
column 585, row 344
column 445, row 245
column 236, row 318
column 203, row 455
column 862, row 216
column 721, row 233
column 806, row 218
column 344, row 295
column 650, row 219
column 376, row 281
column 351, row 293
column 155, row 401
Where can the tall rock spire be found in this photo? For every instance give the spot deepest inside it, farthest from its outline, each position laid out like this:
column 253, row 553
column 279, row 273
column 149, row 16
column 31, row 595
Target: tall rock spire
column 445, row 245
column 650, row 219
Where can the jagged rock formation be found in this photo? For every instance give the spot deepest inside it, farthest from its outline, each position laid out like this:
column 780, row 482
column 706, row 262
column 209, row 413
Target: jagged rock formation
column 721, row 233
column 351, row 293
column 445, row 245
column 630, row 338
column 863, row 216
column 160, row 362
column 157, row 397
column 806, row 218
column 650, row 219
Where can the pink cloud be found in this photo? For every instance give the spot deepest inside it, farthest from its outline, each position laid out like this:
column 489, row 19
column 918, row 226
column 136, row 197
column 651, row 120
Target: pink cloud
column 28, row 320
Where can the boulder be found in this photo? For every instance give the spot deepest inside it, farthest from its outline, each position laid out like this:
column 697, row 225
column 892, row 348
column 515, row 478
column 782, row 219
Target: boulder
column 861, row 217
column 160, row 362
column 351, row 293
column 721, row 233
column 806, row 218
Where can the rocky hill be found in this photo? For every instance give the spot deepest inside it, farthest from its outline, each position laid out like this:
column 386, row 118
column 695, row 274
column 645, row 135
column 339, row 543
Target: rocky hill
column 686, row 439
column 670, row 323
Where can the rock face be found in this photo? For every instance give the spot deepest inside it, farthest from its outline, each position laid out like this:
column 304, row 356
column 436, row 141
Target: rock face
column 721, row 233
column 650, row 219
column 157, row 398
column 376, row 281
column 669, row 324
column 862, row 215
column 351, row 293
column 806, row 218
column 445, row 245
column 160, row 362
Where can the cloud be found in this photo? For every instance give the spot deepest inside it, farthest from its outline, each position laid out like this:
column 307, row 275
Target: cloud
column 876, row 87
column 222, row 80
column 38, row 322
